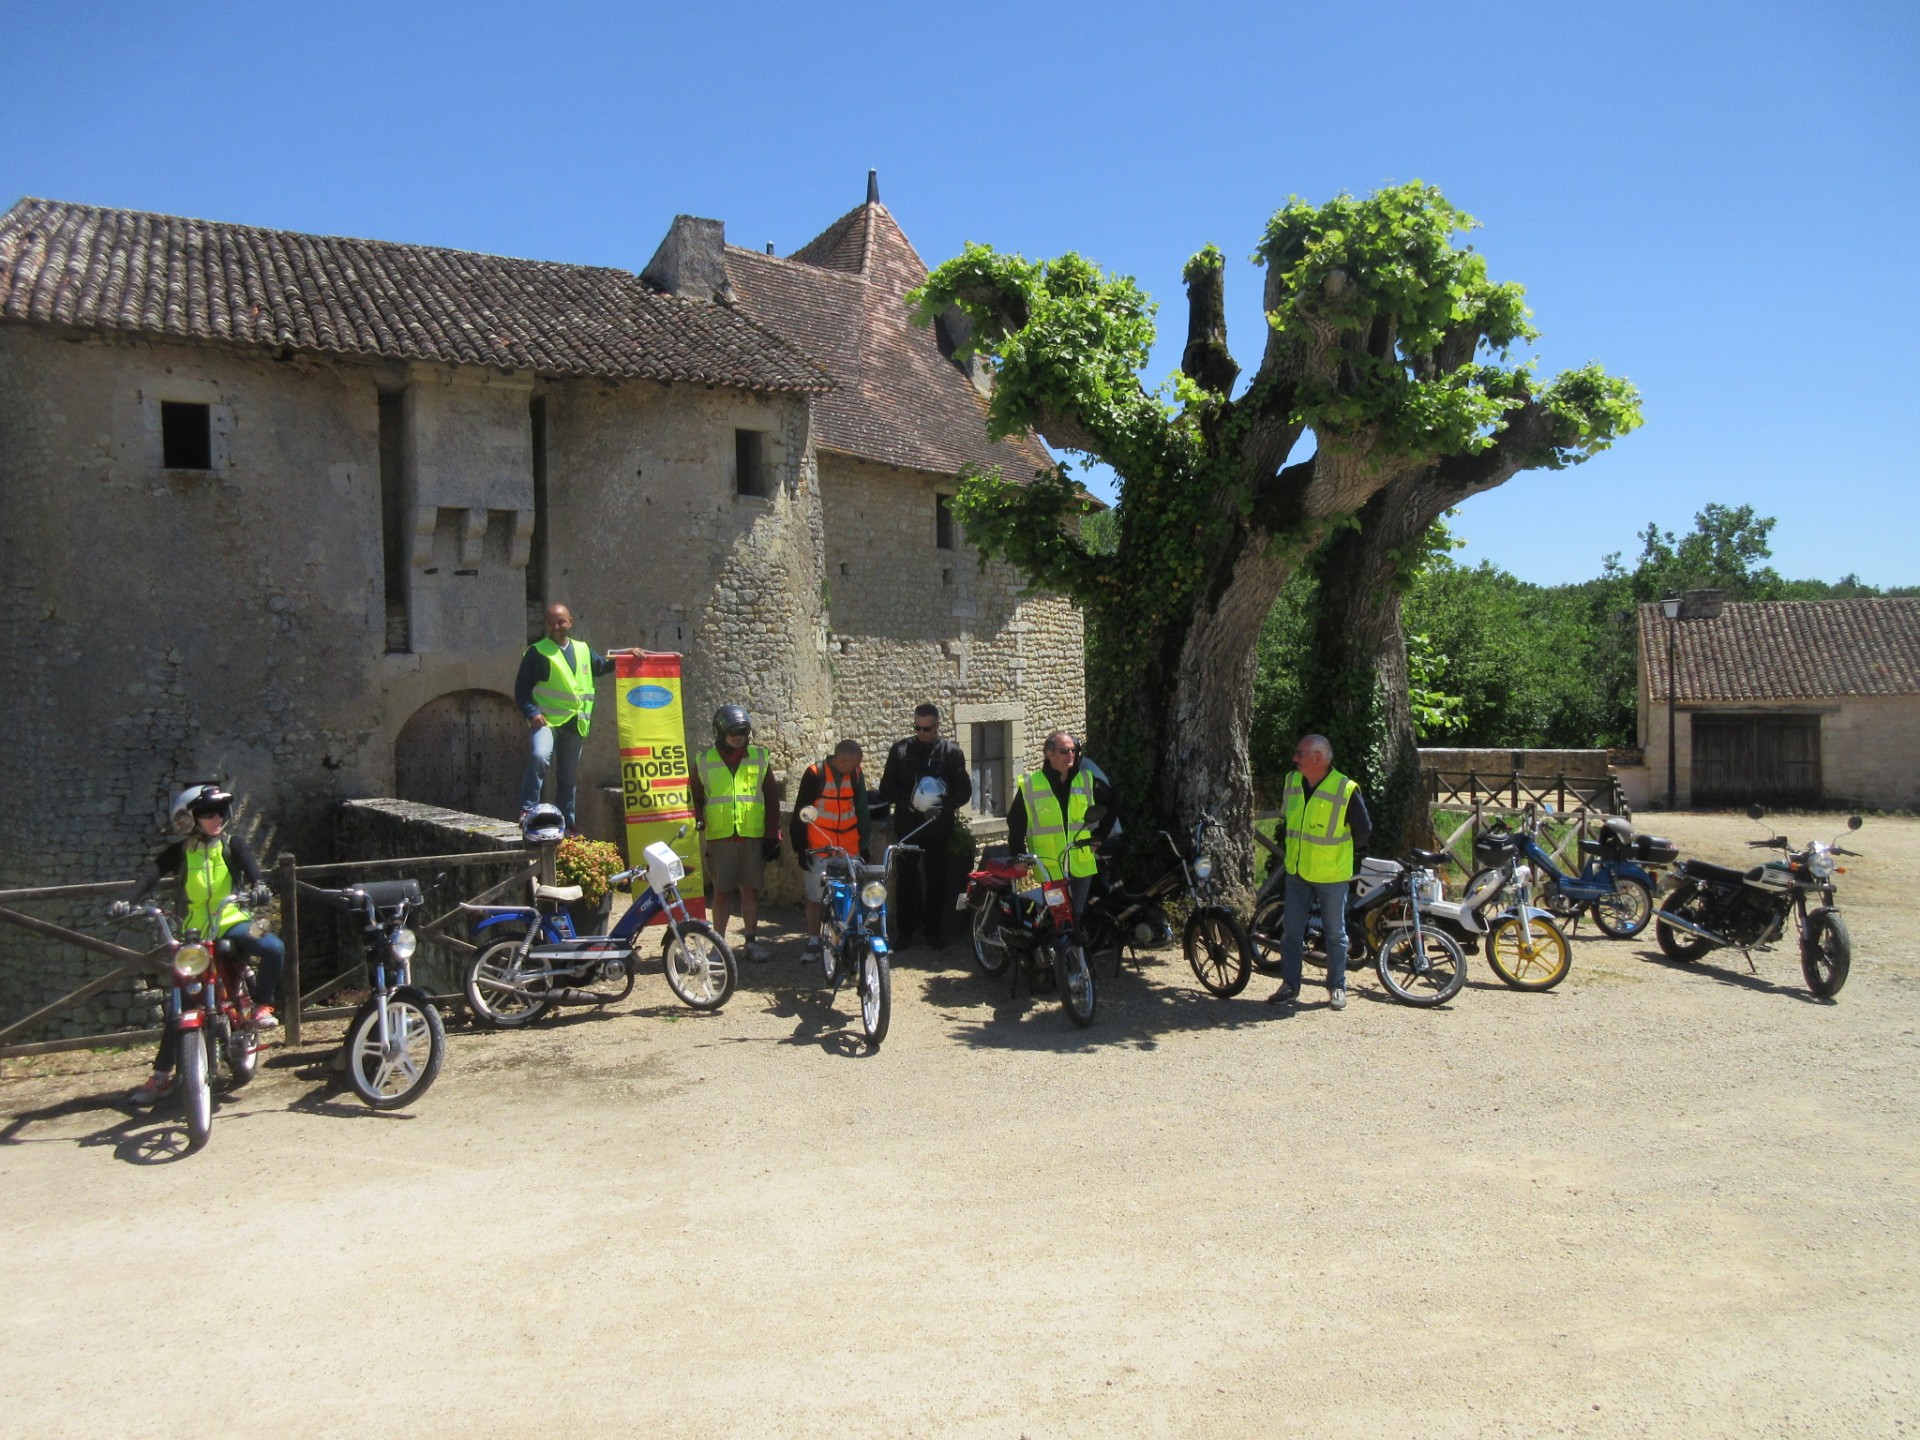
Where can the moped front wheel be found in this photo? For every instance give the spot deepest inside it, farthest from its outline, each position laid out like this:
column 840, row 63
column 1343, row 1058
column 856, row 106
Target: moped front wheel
column 700, row 966
column 876, row 994
column 389, row 1077
column 496, row 986
column 1529, row 952
column 1626, row 912
column 1219, row 951
column 196, row 1091
column 1075, row 975
column 989, row 944
column 1826, row 953
column 1424, row 970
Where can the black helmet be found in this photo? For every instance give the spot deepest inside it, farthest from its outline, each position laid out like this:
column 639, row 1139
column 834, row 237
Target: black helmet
column 729, row 718
column 202, row 797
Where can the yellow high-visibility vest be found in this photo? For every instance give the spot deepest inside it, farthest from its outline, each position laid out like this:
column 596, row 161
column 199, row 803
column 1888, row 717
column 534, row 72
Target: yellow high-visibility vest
column 733, row 804
column 1049, row 833
column 566, row 693
column 1319, row 840
column 208, row 883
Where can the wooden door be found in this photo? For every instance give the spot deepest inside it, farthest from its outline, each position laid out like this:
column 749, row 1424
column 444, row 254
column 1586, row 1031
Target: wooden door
column 1748, row 759
column 463, row 751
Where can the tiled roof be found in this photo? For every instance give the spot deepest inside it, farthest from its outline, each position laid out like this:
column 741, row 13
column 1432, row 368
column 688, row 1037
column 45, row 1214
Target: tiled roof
column 124, row 270
column 1787, row 650
column 841, row 298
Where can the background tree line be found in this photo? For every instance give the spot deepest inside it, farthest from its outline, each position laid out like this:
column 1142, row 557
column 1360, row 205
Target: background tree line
column 1496, row 661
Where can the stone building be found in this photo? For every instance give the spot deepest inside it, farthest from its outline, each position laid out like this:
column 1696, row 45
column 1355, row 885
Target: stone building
column 285, row 508
column 1792, row 702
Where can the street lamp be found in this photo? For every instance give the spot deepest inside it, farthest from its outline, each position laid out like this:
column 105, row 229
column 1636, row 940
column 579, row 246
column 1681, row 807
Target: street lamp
column 1670, row 607
column 1702, row 604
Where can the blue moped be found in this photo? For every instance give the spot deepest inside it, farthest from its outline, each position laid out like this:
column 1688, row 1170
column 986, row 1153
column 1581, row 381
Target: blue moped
column 1618, row 876
column 537, row 961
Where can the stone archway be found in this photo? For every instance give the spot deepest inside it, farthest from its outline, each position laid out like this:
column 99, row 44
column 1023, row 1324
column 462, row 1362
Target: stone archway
column 464, row 751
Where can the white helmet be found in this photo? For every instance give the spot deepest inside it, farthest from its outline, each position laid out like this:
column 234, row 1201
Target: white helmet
column 202, row 797
column 543, row 823
column 929, row 794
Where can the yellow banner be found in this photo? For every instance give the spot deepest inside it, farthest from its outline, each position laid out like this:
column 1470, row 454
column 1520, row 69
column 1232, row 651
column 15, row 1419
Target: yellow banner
column 655, row 780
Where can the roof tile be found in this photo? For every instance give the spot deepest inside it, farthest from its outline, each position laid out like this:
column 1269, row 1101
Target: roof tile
column 841, row 298
column 124, row 270
column 1787, row 650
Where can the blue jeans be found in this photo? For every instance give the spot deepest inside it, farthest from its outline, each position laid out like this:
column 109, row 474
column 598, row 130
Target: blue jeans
column 271, row 955
column 1302, row 896
column 559, row 746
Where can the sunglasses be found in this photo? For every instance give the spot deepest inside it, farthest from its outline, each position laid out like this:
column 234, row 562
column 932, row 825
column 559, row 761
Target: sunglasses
column 927, row 729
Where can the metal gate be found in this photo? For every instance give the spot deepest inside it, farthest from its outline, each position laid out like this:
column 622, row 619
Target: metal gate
column 464, row 751
column 1741, row 759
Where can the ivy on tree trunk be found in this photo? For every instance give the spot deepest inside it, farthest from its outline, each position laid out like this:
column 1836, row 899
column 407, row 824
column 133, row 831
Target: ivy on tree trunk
column 1385, row 340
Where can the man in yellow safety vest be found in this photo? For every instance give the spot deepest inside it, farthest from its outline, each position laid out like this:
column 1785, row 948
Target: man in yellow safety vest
column 554, row 690
column 1049, row 814
column 736, row 804
column 1325, row 821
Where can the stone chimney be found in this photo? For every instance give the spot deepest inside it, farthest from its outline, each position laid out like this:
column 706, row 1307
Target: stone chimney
column 689, row 262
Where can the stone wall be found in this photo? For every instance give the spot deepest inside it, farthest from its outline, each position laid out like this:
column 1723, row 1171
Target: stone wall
column 911, row 622
column 166, row 625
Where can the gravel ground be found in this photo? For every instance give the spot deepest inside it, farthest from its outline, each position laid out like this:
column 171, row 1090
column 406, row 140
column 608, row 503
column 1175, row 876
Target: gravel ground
column 1658, row 1200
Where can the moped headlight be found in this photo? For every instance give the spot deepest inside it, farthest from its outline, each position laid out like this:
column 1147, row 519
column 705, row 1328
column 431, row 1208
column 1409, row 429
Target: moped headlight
column 191, row 960
column 873, row 894
column 1820, row 864
column 1203, row 868
column 403, row 944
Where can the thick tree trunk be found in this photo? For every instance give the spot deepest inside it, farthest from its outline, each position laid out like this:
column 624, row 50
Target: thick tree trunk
column 1359, row 689
column 1204, row 764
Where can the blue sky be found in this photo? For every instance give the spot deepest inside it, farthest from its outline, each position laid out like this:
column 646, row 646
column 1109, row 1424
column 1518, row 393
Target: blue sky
column 1718, row 200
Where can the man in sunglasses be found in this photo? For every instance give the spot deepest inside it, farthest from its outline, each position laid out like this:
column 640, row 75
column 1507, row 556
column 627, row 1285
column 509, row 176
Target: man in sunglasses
column 1049, row 813
column 920, row 899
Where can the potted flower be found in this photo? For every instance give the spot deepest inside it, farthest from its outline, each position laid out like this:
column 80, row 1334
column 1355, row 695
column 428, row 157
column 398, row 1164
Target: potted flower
column 590, row 864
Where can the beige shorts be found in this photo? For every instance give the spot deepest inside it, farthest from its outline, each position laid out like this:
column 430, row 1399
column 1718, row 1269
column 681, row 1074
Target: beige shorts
column 734, row 865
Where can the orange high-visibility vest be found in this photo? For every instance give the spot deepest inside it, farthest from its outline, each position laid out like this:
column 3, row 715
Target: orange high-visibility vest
column 838, row 822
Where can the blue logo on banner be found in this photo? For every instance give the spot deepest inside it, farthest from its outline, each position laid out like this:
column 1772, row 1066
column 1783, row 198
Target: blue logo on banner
column 650, row 697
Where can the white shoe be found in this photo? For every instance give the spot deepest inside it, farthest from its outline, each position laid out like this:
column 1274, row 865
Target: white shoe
column 1337, row 1000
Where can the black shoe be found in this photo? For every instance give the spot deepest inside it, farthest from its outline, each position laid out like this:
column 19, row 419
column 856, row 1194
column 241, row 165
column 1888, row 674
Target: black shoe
column 1285, row 995
column 936, row 942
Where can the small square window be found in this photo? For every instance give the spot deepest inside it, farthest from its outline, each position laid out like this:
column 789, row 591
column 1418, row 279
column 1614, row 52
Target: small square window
column 186, row 435
column 750, row 463
column 944, row 530
column 992, row 775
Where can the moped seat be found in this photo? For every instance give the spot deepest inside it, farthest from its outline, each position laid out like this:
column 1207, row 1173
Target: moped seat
column 564, row 893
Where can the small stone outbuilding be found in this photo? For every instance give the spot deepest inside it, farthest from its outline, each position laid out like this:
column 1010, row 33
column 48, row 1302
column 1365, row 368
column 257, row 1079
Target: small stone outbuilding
column 1793, row 702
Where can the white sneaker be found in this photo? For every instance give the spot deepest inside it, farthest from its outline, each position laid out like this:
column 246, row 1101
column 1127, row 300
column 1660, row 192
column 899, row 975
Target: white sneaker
column 1337, row 1000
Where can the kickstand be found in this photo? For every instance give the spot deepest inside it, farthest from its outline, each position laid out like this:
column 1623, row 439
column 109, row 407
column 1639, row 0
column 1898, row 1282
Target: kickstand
column 1751, row 967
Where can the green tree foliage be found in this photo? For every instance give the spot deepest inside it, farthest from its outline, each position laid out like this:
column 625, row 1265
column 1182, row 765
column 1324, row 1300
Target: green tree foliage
column 1521, row 665
column 1386, row 340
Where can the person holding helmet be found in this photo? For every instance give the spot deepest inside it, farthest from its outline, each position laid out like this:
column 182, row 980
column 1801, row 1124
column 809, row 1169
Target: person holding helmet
column 837, row 791
column 220, row 880
column 1049, row 813
column 554, row 690
column 736, row 804
column 921, row 892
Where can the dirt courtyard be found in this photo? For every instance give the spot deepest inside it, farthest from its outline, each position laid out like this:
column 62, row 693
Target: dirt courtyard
column 1659, row 1200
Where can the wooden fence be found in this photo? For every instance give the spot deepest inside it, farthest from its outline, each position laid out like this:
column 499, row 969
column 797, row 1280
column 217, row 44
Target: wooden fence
column 292, row 880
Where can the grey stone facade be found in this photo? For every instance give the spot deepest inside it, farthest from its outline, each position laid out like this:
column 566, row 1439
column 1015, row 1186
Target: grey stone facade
column 375, row 533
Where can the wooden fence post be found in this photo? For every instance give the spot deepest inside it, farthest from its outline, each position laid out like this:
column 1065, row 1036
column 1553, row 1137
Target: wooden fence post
column 290, row 937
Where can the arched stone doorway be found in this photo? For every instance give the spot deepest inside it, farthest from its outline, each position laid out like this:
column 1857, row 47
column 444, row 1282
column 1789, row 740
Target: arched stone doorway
column 464, row 751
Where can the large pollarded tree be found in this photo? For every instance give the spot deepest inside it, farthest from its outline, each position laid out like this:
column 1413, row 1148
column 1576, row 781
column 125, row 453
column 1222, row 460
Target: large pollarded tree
column 1386, row 343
